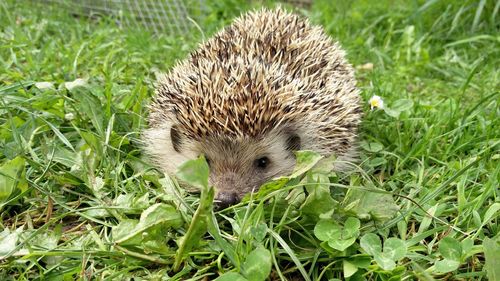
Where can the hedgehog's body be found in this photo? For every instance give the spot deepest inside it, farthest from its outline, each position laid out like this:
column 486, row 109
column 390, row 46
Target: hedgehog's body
column 265, row 86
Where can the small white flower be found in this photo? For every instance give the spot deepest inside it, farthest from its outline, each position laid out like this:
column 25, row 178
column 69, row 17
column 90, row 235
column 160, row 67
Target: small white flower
column 376, row 102
column 44, row 85
column 77, row 83
column 69, row 116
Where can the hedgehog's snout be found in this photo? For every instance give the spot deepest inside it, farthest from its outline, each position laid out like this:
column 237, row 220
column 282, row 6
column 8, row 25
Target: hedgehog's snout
column 226, row 185
column 226, row 199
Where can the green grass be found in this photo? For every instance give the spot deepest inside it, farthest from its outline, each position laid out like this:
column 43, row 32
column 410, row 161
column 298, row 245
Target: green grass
column 74, row 186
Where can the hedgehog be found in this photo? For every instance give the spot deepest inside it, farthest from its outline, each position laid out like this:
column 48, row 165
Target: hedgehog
column 267, row 85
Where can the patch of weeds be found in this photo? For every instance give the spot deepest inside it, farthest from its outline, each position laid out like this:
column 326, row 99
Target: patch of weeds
column 79, row 201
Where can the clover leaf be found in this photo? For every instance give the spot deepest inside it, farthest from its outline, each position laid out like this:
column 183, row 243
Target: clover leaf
column 394, row 250
column 337, row 237
column 451, row 251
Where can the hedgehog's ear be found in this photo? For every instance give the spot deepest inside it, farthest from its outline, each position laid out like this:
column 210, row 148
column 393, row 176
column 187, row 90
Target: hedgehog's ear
column 293, row 142
column 175, row 137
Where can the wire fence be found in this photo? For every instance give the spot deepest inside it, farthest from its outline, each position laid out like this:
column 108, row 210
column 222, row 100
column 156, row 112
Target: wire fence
column 158, row 16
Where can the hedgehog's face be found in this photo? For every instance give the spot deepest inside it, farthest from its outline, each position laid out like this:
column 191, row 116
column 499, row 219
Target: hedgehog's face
column 241, row 166
column 237, row 165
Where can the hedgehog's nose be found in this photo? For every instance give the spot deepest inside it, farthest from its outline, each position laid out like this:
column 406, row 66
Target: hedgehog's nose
column 226, row 199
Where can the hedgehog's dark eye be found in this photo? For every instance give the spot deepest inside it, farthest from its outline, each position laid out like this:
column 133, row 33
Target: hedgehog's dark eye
column 262, row 162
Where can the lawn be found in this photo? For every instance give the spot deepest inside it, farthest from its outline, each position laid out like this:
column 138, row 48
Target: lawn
column 79, row 200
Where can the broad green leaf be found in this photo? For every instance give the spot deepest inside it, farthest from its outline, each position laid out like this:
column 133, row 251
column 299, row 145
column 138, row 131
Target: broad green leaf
column 198, row 225
column 491, row 249
column 12, row 177
column 154, row 222
column 259, row 231
column 305, row 160
column 325, row 165
column 395, row 248
column 326, row 230
column 391, row 112
column 377, row 161
column 338, row 238
column 348, row 235
column 257, row 266
column 195, row 172
column 267, row 188
column 341, row 243
column 351, row 227
column 319, row 201
column 467, row 245
column 156, row 245
column 446, row 265
column 371, row 146
column 450, row 248
column 349, row 268
column 371, row 243
column 160, row 213
column 121, row 232
column 231, row 276
column 384, row 261
column 132, row 204
column 169, row 188
column 377, row 206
